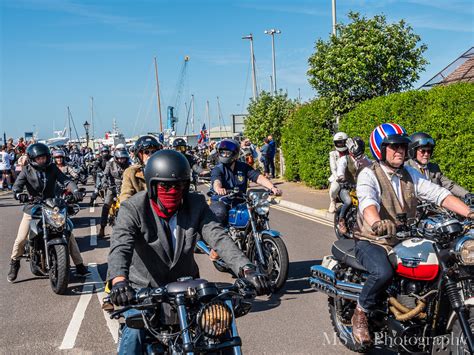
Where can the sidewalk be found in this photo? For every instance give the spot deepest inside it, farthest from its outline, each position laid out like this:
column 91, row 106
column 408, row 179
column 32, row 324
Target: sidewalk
column 298, row 197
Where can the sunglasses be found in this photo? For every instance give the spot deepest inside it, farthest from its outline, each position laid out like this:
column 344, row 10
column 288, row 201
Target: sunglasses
column 396, row 146
column 149, row 151
column 225, row 153
column 167, row 185
column 426, row 151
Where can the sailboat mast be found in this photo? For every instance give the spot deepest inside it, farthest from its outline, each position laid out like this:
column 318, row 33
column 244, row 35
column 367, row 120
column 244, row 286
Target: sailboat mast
column 92, row 121
column 208, row 119
column 192, row 115
column 69, row 122
column 158, row 96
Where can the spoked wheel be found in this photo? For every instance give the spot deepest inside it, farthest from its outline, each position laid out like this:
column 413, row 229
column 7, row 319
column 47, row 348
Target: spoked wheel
column 459, row 347
column 341, row 315
column 59, row 270
column 276, row 260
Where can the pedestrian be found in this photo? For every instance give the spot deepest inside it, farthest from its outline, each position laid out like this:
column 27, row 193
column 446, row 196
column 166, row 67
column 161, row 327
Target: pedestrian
column 264, row 157
column 271, row 155
column 6, row 160
column 340, row 150
column 248, row 153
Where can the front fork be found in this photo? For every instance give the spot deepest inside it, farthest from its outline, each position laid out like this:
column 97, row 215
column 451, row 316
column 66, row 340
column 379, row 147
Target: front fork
column 257, row 238
column 45, row 240
column 183, row 322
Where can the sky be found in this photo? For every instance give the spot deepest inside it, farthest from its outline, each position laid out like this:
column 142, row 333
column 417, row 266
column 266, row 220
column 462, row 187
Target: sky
column 56, row 54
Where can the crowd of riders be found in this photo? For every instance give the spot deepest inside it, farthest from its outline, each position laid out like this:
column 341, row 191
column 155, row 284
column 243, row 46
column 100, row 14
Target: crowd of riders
column 153, row 240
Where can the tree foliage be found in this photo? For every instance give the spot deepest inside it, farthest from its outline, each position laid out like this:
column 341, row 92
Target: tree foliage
column 306, row 143
column 368, row 58
column 444, row 112
column 267, row 115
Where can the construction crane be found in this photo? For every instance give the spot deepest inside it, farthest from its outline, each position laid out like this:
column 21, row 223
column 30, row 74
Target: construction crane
column 173, row 111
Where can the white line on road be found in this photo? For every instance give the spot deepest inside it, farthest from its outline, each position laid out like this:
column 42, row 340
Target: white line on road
column 73, row 329
column 99, row 287
column 304, row 215
column 93, row 232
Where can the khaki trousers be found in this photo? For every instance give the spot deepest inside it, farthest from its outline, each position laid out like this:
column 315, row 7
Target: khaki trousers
column 22, row 236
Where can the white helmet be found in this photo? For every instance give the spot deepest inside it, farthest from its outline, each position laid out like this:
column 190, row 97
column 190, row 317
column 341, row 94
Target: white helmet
column 120, row 146
column 339, row 140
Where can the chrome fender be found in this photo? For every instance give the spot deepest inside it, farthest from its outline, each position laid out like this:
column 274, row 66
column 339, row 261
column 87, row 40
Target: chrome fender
column 271, row 233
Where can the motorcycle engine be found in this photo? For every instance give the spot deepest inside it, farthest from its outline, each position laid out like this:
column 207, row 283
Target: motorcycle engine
column 406, row 289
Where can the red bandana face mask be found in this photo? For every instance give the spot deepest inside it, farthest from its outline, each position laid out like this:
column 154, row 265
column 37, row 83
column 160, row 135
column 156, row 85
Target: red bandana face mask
column 170, row 199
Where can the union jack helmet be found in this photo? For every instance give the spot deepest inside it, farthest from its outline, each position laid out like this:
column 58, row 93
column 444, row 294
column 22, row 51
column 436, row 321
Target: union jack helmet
column 385, row 134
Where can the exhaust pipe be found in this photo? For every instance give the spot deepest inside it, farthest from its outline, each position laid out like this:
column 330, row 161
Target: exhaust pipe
column 324, row 280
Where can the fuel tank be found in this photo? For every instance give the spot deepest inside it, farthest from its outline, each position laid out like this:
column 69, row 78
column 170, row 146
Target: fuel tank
column 416, row 259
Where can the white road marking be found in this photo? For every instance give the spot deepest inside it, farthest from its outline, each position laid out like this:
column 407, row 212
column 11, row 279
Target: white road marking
column 92, row 281
column 73, row 329
column 304, row 215
column 93, row 232
column 99, row 287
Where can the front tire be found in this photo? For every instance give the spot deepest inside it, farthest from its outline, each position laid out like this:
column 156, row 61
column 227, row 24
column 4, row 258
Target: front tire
column 59, row 271
column 276, row 259
column 459, row 345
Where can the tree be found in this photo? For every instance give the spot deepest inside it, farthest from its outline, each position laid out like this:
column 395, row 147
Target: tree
column 368, row 58
column 267, row 115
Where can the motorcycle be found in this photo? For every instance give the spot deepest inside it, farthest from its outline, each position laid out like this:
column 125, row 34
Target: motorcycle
column 47, row 249
column 351, row 215
column 190, row 316
column 429, row 305
column 99, row 190
column 248, row 226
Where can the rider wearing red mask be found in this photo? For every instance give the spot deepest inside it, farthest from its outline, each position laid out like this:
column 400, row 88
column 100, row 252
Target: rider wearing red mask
column 153, row 241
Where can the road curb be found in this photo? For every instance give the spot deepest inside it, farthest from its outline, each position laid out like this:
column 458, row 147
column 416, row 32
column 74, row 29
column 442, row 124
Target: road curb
column 305, row 209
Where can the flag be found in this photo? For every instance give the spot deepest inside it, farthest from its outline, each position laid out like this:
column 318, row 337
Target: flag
column 203, row 138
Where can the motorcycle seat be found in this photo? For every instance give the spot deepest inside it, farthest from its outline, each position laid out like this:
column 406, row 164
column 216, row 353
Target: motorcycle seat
column 344, row 251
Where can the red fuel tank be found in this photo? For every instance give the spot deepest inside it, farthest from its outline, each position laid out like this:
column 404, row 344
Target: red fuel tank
column 416, row 259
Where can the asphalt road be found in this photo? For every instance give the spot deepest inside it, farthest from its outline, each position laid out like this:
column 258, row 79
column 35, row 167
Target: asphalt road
column 35, row 320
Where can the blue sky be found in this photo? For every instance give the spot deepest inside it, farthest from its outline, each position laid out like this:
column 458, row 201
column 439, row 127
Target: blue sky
column 58, row 53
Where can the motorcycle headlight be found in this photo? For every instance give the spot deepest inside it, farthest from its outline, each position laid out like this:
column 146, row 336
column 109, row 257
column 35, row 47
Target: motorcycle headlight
column 253, row 196
column 215, row 319
column 263, row 205
column 466, row 252
column 56, row 216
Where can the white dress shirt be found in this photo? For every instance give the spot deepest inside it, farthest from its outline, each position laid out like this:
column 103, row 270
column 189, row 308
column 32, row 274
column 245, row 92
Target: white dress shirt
column 368, row 188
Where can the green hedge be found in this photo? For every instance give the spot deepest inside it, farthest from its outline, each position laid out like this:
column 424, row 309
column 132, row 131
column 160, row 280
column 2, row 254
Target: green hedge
column 306, row 142
column 446, row 113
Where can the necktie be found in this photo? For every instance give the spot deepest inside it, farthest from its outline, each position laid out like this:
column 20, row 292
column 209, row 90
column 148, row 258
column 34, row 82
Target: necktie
column 169, row 238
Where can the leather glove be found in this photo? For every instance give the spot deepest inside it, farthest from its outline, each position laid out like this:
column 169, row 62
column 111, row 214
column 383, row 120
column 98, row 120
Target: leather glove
column 384, row 227
column 122, row 294
column 256, row 279
column 77, row 195
column 471, row 216
column 23, row 198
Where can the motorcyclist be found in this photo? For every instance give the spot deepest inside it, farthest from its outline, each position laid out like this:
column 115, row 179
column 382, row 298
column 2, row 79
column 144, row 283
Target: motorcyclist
column 112, row 180
column 154, row 239
column 339, row 140
column 76, row 157
column 386, row 189
column 348, row 167
column 99, row 167
column 231, row 173
column 133, row 178
column 40, row 177
column 420, row 151
column 59, row 157
column 180, row 145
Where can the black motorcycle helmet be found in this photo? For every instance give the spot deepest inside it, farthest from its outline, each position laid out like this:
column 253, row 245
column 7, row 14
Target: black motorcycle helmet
column 37, row 150
column 122, row 157
column 104, row 151
column 356, row 146
column 180, row 145
column 144, row 143
column 418, row 140
column 228, row 151
column 166, row 166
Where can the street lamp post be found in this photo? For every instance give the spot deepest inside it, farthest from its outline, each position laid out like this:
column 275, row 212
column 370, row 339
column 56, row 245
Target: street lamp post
column 252, row 58
column 272, row 32
column 86, row 127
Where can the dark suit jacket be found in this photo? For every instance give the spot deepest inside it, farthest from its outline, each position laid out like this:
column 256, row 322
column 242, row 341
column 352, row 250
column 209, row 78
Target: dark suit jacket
column 139, row 249
column 36, row 186
column 436, row 176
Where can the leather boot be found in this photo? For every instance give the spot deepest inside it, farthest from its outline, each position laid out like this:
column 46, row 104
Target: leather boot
column 360, row 327
column 342, row 226
column 14, row 268
column 332, row 207
column 101, row 232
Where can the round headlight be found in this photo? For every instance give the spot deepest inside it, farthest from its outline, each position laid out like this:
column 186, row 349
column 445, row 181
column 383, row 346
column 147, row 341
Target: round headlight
column 215, row 319
column 467, row 252
column 262, row 209
column 253, row 196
